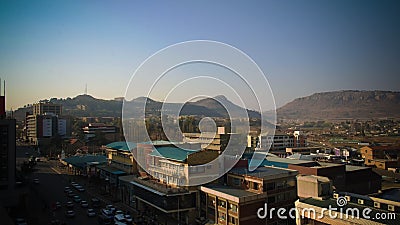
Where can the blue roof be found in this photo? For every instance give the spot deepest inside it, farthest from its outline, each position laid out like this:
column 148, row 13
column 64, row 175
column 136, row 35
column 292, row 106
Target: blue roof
column 173, row 153
column 121, row 145
column 82, row 160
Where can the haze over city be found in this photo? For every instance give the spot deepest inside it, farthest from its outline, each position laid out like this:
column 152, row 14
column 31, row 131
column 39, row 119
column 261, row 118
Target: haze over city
column 52, row 49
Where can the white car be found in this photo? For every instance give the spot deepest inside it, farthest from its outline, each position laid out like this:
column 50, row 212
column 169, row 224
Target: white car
column 91, row 213
column 84, row 204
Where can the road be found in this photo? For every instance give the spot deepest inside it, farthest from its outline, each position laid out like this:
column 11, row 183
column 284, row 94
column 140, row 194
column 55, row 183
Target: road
column 41, row 197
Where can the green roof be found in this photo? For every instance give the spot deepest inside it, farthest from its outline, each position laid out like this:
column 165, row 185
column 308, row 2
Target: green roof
column 121, row 146
column 82, row 161
column 173, row 153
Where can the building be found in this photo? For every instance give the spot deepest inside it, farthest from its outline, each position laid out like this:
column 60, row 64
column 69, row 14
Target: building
column 278, row 142
column 108, row 130
column 7, row 154
column 357, row 179
column 40, row 127
column 344, row 208
column 382, row 157
column 238, row 200
column 42, row 108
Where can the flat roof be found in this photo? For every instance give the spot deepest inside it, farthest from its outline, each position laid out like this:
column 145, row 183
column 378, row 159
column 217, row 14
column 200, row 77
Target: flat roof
column 266, row 172
column 350, row 205
column 228, row 190
column 356, row 168
column 82, row 160
column 392, row 194
column 112, row 170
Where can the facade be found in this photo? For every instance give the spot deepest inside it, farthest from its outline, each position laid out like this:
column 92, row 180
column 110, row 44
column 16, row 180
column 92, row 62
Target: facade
column 278, row 142
column 42, row 108
column 46, row 126
column 346, row 208
column 91, row 129
column 244, row 193
column 382, row 157
column 7, row 154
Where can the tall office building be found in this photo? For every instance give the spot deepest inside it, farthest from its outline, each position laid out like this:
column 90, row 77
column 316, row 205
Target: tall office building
column 42, row 108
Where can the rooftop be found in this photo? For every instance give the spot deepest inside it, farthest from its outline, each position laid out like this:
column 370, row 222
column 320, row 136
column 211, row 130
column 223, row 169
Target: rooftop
column 350, row 205
column 266, row 172
column 82, row 160
column 392, row 194
column 173, row 153
column 121, row 146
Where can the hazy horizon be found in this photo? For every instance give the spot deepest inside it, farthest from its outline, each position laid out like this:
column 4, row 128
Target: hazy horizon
column 53, row 49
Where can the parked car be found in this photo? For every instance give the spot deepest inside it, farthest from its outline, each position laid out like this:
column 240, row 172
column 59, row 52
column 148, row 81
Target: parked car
column 70, row 213
column 128, row 218
column 69, row 205
column 107, row 213
column 77, row 198
column 111, row 208
column 91, row 213
column 20, row 221
column 84, row 204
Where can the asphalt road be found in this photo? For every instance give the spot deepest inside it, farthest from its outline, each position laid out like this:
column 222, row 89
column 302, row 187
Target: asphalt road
column 41, row 197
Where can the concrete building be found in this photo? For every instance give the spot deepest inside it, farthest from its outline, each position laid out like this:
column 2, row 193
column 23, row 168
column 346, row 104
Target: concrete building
column 344, row 208
column 382, row 157
column 7, row 154
column 39, row 127
column 278, row 142
column 42, row 108
column 357, row 179
column 244, row 193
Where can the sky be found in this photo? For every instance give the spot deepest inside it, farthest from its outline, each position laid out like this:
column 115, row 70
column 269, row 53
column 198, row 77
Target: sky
column 54, row 48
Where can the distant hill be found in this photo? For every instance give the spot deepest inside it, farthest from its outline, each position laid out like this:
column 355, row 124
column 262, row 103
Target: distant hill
column 343, row 105
column 86, row 105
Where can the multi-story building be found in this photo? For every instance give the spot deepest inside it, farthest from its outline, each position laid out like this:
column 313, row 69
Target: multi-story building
column 7, row 154
column 382, row 157
column 357, row 179
column 42, row 108
column 244, row 192
column 278, row 142
column 92, row 128
column 39, row 127
column 317, row 205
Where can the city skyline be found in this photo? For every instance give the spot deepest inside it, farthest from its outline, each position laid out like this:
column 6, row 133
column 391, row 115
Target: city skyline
column 52, row 49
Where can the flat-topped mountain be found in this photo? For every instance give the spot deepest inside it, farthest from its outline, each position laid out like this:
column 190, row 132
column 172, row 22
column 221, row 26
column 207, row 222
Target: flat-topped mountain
column 343, row 105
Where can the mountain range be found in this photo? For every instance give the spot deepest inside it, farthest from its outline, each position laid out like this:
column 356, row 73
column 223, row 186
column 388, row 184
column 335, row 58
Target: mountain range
column 319, row 106
column 338, row 105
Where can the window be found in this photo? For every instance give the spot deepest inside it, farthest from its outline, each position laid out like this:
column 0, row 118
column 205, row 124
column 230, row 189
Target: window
column 233, row 207
column 221, row 216
column 377, row 204
column 391, row 208
column 255, row 185
column 233, row 220
column 360, row 201
column 347, row 198
column 221, row 203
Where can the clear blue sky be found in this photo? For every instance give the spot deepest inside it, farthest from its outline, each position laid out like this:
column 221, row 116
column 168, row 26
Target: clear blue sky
column 53, row 48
